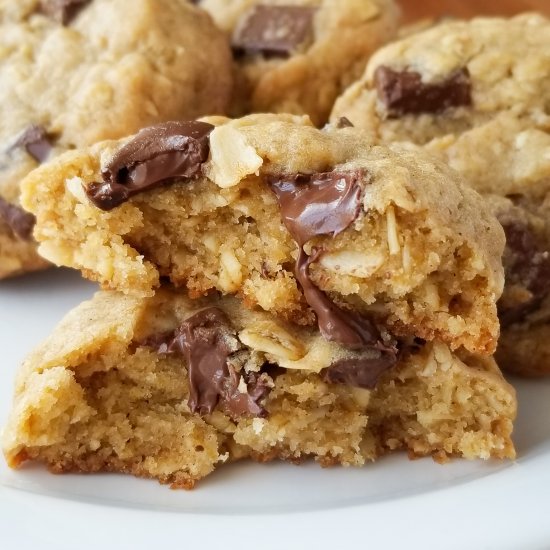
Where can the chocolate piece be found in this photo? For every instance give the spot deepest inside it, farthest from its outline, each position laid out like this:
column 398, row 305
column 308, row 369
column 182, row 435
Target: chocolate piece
column 155, row 156
column 20, row 222
column 326, row 204
column 527, row 265
column 358, row 372
column 403, row 92
column 274, row 31
column 203, row 340
column 62, row 11
column 36, row 142
column 344, row 122
column 318, row 204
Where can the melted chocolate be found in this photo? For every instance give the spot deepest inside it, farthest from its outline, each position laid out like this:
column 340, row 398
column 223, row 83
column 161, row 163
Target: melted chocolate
column 318, row 204
column 326, row 204
column 36, row 142
column 274, row 31
column 403, row 92
column 62, row 11
column 20, row 222
column 527, row 264
column 156, row 155
column 203, row 340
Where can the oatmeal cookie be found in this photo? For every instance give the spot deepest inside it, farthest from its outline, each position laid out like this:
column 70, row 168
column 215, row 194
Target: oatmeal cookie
column 476, row 93
column 297, row 221
column 68, row 81
column 171, row 388
column 297, row 56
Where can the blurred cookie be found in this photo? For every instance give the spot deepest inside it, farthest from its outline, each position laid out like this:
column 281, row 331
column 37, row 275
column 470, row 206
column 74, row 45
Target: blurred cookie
column 69, row 79
column 297, row 56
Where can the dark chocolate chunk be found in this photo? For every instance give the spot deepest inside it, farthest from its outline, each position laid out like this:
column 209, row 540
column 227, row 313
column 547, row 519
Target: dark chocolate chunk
column 403, row 92
column 36, row 142
column 62, row 11
column 155, row 156
column 344, row 122
column 362, row 372
column 274, row 31
column 527, row 265
column 20, row 222
column 318, row 204
column 326, row 204
column 203, row 340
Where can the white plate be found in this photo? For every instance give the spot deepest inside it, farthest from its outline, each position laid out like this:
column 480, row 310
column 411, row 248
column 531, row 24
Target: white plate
column 389, row 504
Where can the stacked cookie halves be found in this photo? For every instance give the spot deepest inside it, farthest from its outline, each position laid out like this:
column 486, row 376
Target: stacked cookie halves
column 274, row 291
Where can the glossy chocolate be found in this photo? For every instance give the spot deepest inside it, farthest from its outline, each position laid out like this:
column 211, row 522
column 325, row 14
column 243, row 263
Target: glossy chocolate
column 203, row 340
column 155, row 156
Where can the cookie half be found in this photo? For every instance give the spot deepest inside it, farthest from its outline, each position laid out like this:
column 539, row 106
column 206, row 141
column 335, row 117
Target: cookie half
column 301, row 222
column 171, row 388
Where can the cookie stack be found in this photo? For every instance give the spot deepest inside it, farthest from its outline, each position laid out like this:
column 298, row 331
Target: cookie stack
column 276, row 290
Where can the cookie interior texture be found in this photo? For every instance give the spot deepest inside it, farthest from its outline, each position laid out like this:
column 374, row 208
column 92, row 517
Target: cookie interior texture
column 79, row 82
column 94, row 397
column 422, row 255
column 305, row 72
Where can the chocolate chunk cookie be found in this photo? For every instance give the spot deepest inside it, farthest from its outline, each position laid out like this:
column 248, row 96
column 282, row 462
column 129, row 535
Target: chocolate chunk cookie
column 373, row 244
column 475, row 93
column 297, row 56
column 171, row 388
column 69, row 79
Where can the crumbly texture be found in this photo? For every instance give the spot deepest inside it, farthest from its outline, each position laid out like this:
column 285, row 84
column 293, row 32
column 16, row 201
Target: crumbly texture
column 310, row 79
column 501, row 142
column 524, row 345
column 84, row 83
column 423, row 255
column 91, row 398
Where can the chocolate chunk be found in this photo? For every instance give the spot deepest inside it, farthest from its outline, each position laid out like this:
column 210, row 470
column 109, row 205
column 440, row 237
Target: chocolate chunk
column 203, row 339
column 155, row 156
column 62, row 11
column 403, row 92
column 326, row 204
column 344, row 122
column 527, row 265
column 318, row 204
column 20, row 222
column 359, row 372
column 36, row 142
column 274, row 31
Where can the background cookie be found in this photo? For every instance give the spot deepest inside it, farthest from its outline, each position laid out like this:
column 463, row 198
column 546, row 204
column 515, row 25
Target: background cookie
column 476, row 93
column 69, row 80
column 297, row 56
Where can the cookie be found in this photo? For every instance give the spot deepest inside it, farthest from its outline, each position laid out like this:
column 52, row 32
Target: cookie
column 475, row 93
column 172, row 388
column 68, row 81
column 285, row 54
column 302, row 222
